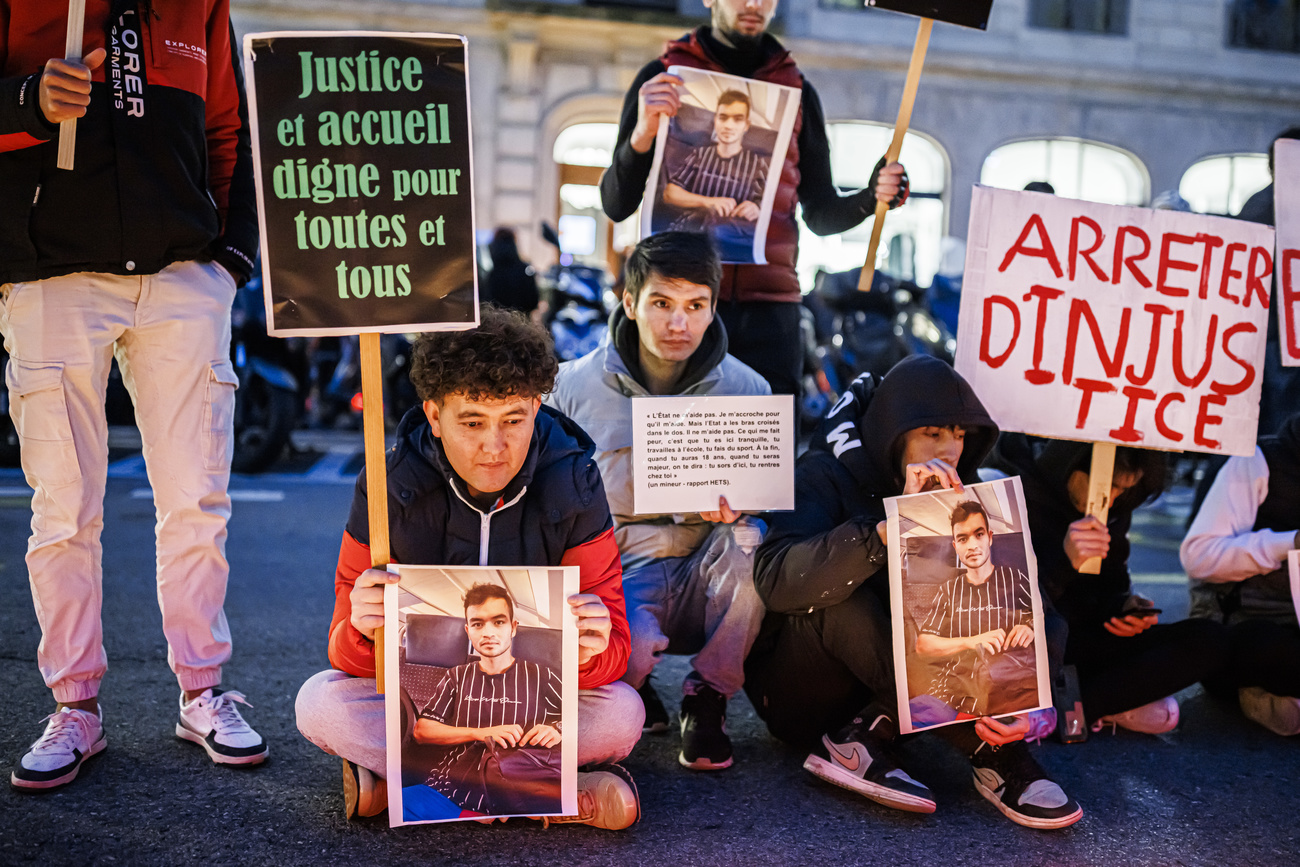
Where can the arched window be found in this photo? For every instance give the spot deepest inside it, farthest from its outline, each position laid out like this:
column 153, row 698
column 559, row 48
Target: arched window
column 1076, row 169
column 582, row 152
column 1222, row 184
column 909, row 246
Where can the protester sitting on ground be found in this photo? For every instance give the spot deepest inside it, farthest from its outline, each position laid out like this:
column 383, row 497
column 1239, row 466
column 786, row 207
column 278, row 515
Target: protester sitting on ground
column 1236, row 555
column 821, row 671
column 482, row 474
column 688, row 579
column 1129, row 664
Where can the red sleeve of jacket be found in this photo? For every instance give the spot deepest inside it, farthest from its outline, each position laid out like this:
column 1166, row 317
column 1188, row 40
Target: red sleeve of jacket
column 349, row 650
column 601, row 573
column 222, row 106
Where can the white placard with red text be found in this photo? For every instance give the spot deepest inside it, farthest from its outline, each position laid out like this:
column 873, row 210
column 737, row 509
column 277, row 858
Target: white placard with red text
column 1111, row 324
column 1286, row 212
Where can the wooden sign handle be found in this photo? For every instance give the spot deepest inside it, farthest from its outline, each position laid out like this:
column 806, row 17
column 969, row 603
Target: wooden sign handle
column 1100, row 476
column 896, row 146
column 372, row 418
column 72, row 51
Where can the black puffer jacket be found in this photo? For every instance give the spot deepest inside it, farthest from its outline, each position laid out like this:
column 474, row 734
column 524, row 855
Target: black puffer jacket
column 817, row 555
column 1044, row 467
column 432, row 518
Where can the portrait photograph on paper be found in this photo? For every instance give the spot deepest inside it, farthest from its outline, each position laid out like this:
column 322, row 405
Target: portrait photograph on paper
column 717, row 163
column 967, row 615
column 481, row 700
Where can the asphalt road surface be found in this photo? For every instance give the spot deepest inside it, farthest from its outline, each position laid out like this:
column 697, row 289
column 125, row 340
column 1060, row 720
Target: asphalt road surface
column 1219, row 790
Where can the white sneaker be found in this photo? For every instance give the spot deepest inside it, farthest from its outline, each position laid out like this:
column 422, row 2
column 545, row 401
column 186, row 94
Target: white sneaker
column 1155, row 718
column 213, row 722
column 71, row 737
column 1279, row 714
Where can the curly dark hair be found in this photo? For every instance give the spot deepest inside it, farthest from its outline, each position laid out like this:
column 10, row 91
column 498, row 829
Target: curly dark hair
column 506, row 356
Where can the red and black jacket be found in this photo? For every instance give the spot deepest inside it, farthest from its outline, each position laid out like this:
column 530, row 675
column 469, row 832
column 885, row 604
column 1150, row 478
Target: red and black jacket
column 553, row 513
column 164, row 169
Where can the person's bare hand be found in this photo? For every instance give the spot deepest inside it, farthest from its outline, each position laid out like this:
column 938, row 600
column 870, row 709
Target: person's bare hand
column 367, row 599
column 65, row 86
column 593, row 625
column 746, row 210
column 503, row 736
column 1086, row 538
column 724, row 515
column 889, row 183
column 1130, row 625
column 541, row 735
column 720, row 206
column 992, row 641
column 1021, row 635
column 657, row 98
column 917, row 477
column 994, row 731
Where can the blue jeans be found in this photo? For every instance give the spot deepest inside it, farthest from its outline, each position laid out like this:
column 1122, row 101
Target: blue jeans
column 703, row 604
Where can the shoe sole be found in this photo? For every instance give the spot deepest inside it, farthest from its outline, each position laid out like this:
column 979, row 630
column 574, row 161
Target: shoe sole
column 1021, row 818
column 657, row 728
column 219, row 758
column 41, row 785
column 831, row 773
column 704, row 764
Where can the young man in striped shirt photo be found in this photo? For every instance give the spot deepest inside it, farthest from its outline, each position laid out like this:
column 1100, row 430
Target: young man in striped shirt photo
column 496, row 702
column 982, row 611
column 720, row 185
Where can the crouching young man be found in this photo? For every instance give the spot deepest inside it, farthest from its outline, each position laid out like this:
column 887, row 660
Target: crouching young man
column 688, row 578
column 821, row 673
column 482, row 474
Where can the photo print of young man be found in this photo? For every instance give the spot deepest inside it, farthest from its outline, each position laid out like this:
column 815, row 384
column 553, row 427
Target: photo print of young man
column 968, row 617
column 481, row 704
column 717, row 163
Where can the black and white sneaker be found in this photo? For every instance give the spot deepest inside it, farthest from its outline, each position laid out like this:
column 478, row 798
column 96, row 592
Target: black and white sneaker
column 705, row 745
column 1013, row 782
column 858, row 759
column 70, row 737
column 213, row 722
column 656, row 715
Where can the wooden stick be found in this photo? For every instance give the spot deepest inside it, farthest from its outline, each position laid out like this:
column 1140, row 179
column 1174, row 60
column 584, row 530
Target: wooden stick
column 372, row 419
column 896, row 146
column 72, row 51
column 1100, row 476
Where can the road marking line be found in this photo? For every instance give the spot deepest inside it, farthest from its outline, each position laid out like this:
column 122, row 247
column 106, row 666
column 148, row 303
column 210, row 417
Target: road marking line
column 1160, row 578
column 16, row 492
column 330, row 467
column 239, row 496
column 127, row 468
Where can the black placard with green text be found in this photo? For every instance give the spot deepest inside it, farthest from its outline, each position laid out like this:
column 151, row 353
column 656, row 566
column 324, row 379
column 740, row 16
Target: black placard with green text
column 361, row 145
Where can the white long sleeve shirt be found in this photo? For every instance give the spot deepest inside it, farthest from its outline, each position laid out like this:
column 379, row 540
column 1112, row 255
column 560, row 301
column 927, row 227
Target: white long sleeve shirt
column 1220, row 546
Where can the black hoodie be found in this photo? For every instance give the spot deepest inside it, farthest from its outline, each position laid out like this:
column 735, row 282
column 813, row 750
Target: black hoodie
column 1045, row 467
column 818, row 555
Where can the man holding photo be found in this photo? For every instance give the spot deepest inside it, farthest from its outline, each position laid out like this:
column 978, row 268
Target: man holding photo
column 760, row 302
column 982, row 611
column 688, row 578
column 494, row 703
column 483, row 474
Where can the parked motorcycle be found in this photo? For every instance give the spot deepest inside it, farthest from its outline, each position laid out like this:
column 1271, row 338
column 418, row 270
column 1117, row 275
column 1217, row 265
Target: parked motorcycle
column 580, row 299
column 873, row 331
column 269, row 401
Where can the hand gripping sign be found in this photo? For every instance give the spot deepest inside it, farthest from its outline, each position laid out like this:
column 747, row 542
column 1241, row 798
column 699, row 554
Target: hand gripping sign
column 1116, row 325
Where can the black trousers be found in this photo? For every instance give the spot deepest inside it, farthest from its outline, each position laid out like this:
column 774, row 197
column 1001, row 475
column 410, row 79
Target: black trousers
column 765, row 335
column 1267, row 655
column 823, row 668
column 1118, row 674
